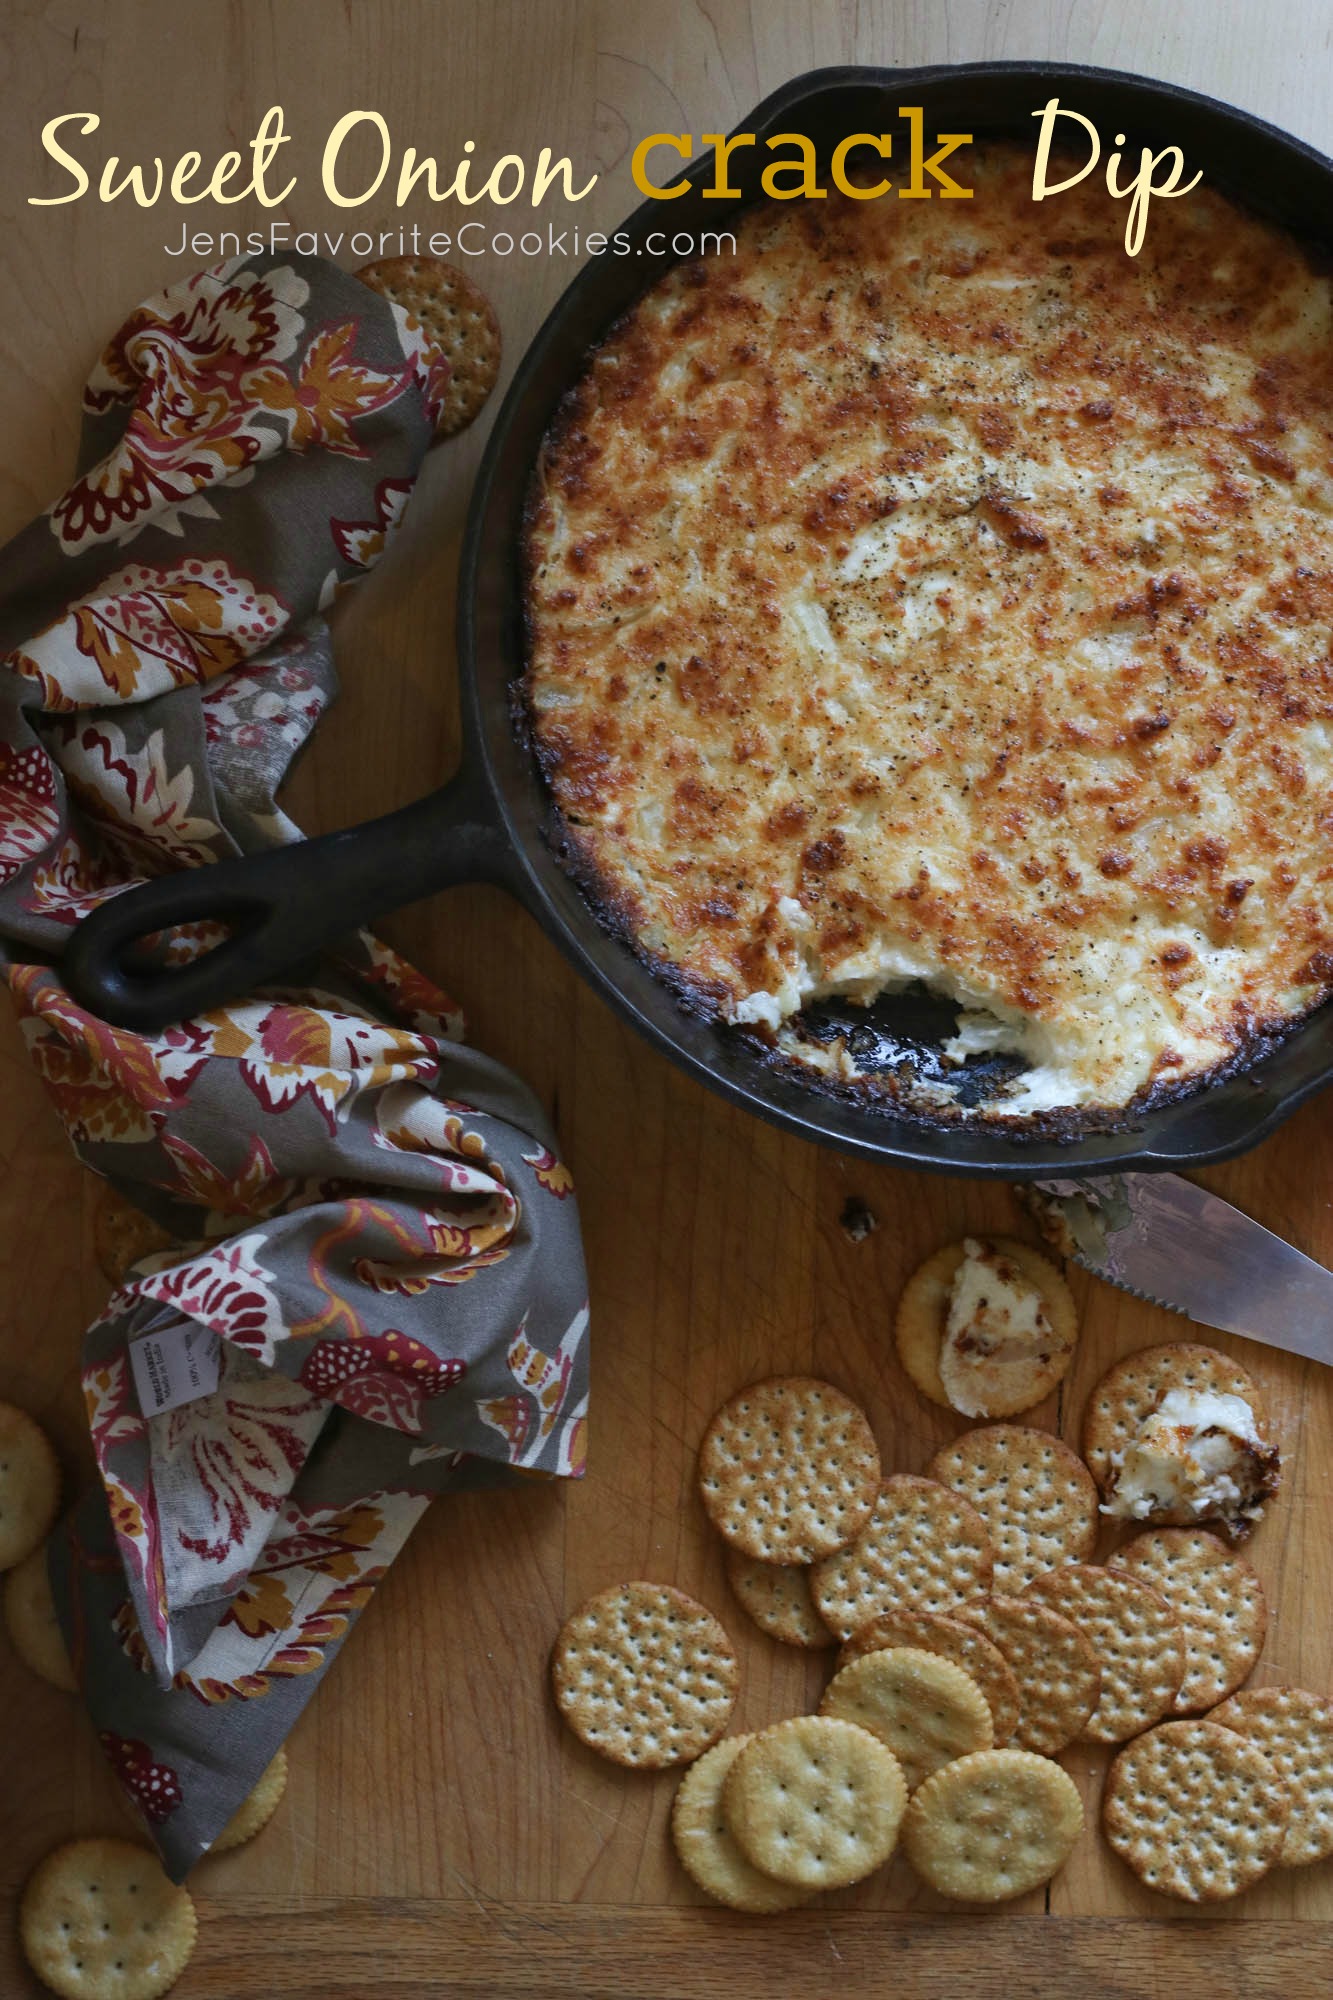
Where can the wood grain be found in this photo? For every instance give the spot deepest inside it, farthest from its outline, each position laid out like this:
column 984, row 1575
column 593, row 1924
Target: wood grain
column 441, row 1835
column 333, row 1950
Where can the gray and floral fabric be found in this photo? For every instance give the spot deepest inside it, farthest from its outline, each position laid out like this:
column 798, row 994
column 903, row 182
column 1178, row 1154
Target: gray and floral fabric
column 382, row 1293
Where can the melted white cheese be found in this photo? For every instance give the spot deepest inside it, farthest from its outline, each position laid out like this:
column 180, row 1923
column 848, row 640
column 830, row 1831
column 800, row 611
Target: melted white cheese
column 997, row 1330
column 1190, row 1457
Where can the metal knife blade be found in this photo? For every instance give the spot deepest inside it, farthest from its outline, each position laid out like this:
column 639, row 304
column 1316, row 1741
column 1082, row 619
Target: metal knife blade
column 1170, row 1241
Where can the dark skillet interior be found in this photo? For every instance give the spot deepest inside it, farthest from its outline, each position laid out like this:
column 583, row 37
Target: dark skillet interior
column 1273, row 174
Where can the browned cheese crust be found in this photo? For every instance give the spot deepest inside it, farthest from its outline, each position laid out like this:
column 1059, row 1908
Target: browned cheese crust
column 930, row 590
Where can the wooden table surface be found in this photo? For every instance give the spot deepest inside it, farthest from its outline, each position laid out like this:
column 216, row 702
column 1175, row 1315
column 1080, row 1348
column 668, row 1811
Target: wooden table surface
column 451, row 1839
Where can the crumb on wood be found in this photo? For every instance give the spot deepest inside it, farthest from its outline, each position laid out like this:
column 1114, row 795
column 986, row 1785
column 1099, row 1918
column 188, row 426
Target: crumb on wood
column 857, row 1220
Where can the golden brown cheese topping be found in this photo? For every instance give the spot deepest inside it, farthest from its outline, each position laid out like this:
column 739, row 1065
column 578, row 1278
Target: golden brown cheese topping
column 929, row 591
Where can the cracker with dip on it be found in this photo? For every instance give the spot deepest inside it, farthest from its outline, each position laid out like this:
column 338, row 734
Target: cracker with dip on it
column 1175, row 1436
column 986, row 1327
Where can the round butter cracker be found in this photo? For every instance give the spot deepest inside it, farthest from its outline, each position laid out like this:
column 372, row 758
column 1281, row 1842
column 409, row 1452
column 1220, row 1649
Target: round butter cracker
column 645, row 1675
column 1218, row 1599
column 1136, row 1636
column 255, row 1811
column 1033, row 1493
column 29, row 1485
column 954, row 1640
column 815, row 1802
column 1195, row 1810
column 706, row 1846
column 777, row 1597
column 1294, row 1730
column 1059, row 1679
column 923, row 1708
column 99, row 1920
column 456, row 317
column 992, row 1825
column 32, row 1624
column 789, row 1470
column 923, row 1547
column 923, row 1311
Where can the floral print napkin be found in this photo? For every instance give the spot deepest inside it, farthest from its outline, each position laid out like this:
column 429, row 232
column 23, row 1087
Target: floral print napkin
column 382, row 1294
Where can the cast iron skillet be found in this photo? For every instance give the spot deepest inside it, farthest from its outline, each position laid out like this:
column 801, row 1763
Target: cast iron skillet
column 487, row 824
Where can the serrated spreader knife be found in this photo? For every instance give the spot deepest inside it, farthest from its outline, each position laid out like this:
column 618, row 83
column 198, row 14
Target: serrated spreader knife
column 1170, row 1241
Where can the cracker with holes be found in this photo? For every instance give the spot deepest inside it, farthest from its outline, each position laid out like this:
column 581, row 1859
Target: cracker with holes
column 952, row 1639
column 1294, row 1730
column 645, row 1675
column 789, row 1470
column 1195, row 1810
column 778, row 1599
column 1033, row 1493
column 1058, row 1675
column 1136, row 1636
column 1178, row 1435
column 457, row 319
column 922, row 1707
column 707, row 1847
column 29, row 1485
column 99, row 1920
column 986, row 1327
column 992, row 1825
column 34, row 1630
column 923, row 1546
column 815, row 1802
column 1218, row 1599
column 255, row 1811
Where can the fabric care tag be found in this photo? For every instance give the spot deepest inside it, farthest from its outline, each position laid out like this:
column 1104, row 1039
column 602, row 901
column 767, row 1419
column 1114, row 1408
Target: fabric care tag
column 174, row 1367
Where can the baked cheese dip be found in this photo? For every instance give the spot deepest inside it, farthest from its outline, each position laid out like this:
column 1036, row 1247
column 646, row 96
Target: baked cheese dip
column 929, row 592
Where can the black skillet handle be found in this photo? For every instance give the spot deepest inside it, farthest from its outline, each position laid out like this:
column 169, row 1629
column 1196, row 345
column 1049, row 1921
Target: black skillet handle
column 283, row 906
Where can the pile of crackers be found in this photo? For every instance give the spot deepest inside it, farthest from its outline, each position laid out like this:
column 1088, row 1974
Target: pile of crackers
column 977, row 1640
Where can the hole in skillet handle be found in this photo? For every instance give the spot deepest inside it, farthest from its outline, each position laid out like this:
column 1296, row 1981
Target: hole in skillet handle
column 110, row 971
column 283, row 907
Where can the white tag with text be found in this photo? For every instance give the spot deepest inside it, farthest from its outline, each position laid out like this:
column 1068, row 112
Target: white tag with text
column 175, row 1367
